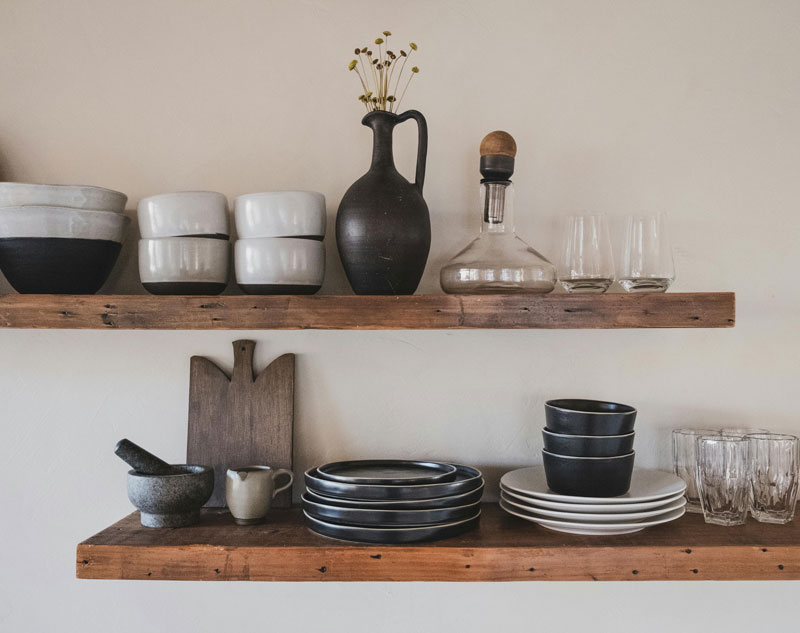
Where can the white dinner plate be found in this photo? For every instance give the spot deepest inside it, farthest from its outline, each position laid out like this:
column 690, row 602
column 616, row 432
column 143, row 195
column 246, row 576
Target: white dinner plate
column 593, row 529
column 581, row 517
column 646, row 485
column 596, row 508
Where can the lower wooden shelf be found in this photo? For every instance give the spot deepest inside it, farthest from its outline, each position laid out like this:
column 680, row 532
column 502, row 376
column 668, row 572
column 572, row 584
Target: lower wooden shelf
column 503, row 548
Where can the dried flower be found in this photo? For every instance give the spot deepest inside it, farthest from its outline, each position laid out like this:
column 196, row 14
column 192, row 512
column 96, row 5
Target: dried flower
column 378, row 72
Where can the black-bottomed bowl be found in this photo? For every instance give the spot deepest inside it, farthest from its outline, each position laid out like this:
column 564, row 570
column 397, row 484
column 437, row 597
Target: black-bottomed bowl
column 588, row 445
column 589, row 417
column 588, row 476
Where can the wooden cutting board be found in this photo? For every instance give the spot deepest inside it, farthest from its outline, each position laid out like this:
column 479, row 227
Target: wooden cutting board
column 242, row 420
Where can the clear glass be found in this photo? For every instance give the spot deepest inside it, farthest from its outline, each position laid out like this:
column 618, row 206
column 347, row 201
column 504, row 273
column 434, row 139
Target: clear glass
column 586, row 264
column 684, row 458
column 773, row 476
column 723, row 479
column 646, row 264
column 497, row 261
column 741, row 432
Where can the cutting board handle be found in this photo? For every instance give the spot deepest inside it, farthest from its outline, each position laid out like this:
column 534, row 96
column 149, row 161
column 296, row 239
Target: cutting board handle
column 243, row 360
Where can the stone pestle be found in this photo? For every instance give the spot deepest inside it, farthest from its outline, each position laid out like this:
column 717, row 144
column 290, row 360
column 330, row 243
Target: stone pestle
column 143, row 461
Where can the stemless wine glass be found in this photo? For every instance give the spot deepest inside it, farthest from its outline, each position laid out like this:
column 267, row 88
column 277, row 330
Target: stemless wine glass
column 773, row 476
column 587, row 263
column 646, row 264
column 684, row 457
column 723, row 479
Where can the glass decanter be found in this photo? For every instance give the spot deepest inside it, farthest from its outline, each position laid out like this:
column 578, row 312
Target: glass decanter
column 498, row 261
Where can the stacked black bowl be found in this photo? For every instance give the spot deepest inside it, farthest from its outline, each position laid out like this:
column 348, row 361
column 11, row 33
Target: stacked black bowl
column 588, row 447
column 392, row 501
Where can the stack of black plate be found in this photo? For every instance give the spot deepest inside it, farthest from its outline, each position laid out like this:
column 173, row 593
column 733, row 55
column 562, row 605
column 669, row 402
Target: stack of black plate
column 392, row 501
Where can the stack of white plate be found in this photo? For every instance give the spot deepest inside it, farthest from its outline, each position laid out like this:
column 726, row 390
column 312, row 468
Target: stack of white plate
column 654, row 497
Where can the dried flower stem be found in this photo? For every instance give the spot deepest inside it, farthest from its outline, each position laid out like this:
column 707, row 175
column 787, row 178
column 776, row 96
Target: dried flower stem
column 381, row 75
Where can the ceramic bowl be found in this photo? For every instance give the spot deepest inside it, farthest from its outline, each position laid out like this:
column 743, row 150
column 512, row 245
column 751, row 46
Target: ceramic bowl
column 54, row 250
column 588, row 445
column 17, row 194
column 588, row 476
column 279, row 265
column 281, row 214
column 588, row 417
column 184, row 214
column 184, row 265
column 171, row 500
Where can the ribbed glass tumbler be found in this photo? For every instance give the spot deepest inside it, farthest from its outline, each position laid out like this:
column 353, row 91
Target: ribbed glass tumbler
column 773, row 476
column 723, row 479
column 684, row 457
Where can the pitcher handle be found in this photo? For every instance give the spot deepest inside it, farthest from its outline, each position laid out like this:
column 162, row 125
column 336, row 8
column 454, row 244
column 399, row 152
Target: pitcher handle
column 278, row 473
column 422, row 144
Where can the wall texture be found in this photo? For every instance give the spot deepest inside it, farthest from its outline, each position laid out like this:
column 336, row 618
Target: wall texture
column 690, row 107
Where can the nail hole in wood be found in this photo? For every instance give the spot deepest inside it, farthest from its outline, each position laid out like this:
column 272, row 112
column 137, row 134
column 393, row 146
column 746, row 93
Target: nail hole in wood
column 763, row 549
column 694, row 571
column 84, row 562
column 688, row 551
column 780, row 566
column 468, row 566
column 635, row 572
column 532, row 569
column 149, row 573
column 376, row 556
column 216, row 571
column 323, row 569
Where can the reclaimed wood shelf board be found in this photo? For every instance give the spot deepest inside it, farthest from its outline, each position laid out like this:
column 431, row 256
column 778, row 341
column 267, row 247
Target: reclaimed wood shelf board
column 503, row 548
column 351, row 312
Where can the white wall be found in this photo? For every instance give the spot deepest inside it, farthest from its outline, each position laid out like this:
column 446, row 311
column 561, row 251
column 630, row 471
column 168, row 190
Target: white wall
column 691, row 107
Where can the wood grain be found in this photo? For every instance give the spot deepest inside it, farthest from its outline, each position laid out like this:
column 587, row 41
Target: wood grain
column 242, row 420
column 502, row 548
column 350, row 312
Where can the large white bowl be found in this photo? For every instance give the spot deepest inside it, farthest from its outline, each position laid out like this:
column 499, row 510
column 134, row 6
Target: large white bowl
column 18, row 194
column 184, row 265
column 281, row 214
column 184, row 214
column 279, row 265
column 48, row 221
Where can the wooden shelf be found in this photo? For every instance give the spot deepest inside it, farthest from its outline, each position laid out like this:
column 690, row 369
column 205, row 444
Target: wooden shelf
column 350, row 312
column 502, row 548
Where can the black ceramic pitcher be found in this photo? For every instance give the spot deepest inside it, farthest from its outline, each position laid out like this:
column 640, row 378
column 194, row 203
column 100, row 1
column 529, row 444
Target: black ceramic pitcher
column 383, row 229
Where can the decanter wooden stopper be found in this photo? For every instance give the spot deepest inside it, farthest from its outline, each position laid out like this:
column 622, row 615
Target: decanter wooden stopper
column 498, row 150
column 499, row 142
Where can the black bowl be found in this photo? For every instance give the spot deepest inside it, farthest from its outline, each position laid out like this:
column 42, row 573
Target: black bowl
column 588, row 476
column 55, row 265
column 589, row 417
column 588, row 445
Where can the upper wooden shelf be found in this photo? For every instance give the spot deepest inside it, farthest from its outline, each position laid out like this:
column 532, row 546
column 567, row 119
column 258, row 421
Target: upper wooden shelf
column 501, row 548
column 350, row 312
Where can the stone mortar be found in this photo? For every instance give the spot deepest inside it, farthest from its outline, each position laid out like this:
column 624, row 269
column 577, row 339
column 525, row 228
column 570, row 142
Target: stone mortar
column 171, row 500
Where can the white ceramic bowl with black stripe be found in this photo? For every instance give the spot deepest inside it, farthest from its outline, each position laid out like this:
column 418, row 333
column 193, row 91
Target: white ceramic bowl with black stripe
column 184, row 265
column 56, row 250
column 279, row 265
column 19, row 194
column 281, row 214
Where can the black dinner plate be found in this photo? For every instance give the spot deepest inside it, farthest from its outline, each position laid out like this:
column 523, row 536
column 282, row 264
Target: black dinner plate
column 393, row 472
column 467, row 479
column 452, row 501
column 390, row 536
column 388, row 518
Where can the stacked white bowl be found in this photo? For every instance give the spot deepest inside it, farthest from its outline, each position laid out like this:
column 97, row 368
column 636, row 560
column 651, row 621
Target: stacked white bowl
column 185, row 247
column 280, row 249
column 59, row 239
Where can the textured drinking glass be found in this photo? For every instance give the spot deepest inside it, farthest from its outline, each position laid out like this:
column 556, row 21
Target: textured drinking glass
column 723, row 479
column 773, row 476
column 646, row 264
column 586, row 264
column 684, row 457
